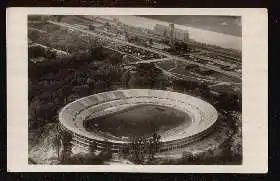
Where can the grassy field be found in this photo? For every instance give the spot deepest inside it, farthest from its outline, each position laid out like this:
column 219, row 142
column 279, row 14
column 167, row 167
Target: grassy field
column 139, row 121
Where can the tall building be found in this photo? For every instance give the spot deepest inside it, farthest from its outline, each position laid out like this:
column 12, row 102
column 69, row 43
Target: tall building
column 160, row 30
column 182, row 35
column 171, row 34
column 186, row 36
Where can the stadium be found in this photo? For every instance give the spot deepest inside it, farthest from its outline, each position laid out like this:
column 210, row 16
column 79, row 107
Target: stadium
column 197, row 118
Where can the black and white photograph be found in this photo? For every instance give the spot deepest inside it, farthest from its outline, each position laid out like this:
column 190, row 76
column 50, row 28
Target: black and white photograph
column 135, row 89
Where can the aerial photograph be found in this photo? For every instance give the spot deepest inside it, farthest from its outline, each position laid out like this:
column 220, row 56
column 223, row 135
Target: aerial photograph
column 134, row 90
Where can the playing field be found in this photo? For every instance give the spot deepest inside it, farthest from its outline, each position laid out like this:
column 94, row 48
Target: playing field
column 141, row 120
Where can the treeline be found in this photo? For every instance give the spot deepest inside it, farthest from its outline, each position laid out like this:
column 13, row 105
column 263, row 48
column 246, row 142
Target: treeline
column 61, row 39
column 141, row 150
column 147, row 76
column 229, row 104
column 228, row 152
column 52, row 66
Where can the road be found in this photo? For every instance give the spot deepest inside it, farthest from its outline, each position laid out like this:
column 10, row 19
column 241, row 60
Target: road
column 88, row 32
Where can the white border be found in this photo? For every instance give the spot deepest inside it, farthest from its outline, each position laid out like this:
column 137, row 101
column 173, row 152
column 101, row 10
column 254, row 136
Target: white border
column 254, row 118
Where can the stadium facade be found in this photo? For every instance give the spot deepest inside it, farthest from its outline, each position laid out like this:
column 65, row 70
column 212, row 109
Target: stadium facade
column 203, row 117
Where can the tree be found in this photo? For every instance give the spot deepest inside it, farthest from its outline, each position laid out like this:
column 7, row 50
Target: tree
column 183, row 85
column 142, row 148
column 92, row 147
column 94, row 46
column 36, row 51
column 150, row 41
column 138, row 149
column 57, row 140
column 187, row 156
column 57, row 144
column 154, row 145
column 50, row 54
column 67, row 145
column 125, row 77
column 236, row 148
column 229, row 101
column 107, row 152
column 204, row 90
column 33, row 113
column 114, row 59
column 125, row 150
column 147, row 76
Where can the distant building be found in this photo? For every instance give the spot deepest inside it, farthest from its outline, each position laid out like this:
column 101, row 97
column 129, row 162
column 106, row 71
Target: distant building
column 160, row 30
column 171, row 33
column 182, row 35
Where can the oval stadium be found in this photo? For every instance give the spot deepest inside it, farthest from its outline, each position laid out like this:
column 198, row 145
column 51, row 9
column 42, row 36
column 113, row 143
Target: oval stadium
column 114, row 118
